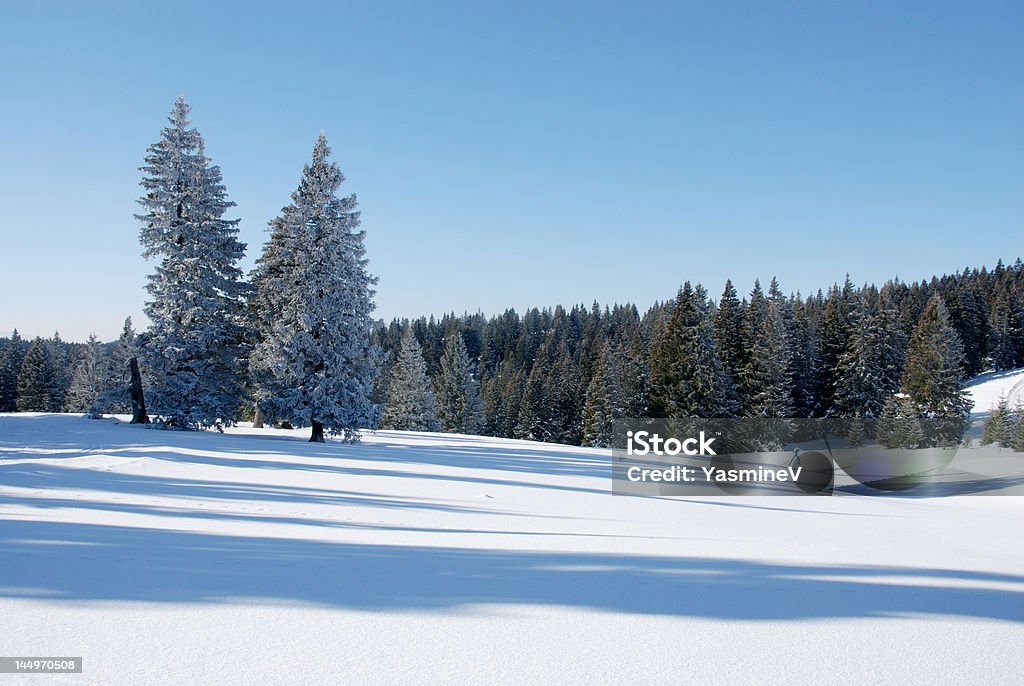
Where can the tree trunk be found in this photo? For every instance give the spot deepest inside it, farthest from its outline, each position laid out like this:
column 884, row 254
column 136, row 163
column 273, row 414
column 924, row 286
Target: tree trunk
column 318, row 433
column 257, row 418
column 139, row 415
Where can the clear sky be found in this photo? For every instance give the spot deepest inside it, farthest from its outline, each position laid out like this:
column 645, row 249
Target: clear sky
column 516, row 154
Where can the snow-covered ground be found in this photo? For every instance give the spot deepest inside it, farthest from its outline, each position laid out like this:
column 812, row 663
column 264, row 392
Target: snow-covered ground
column 255, row 557
column 986, row 389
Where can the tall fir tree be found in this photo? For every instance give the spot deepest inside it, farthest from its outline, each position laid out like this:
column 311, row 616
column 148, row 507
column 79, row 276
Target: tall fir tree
column 62, row 364
column 999, row 425
column 604, row 401
column 869, row 369
column 834, row 338
column 314, row 363
column 729, row 333
column 755, row 318
column 87, row 381
column 687, row 376
column 458, row 393
column 1007, row 327
column 533, row 418
column 1017, row 428
column 115, row 396
column 933, row 374
column 11, row 355
column 805, row 360
column 768, row 374
column 195, row 348
column 35, row 379
column 411, row 404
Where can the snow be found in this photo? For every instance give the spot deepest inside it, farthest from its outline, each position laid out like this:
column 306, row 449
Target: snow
column 986, row 389
column 255, row 557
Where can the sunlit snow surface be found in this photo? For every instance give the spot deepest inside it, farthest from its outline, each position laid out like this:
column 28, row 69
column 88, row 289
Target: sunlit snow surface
column 985, row 390
column 255, row 557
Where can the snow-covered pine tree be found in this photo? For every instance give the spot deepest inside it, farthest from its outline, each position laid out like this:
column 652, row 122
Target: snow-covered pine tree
column 11, row 355
column 62, row 364
column 411, row 403
column 565, row 393
column 1007, row 322
column 502, row 398
column 806, row 359
column 729, row 333
column 933, row 374
column 533, row 419
column 634, row 375
column 35, row 379
column 604, row 401
column 458, row 393
column 833, row 333
column 767, row 376
column 1017, row 432
column 314, row 362
column 114, row 397
column 869, row 369
column 194, row 350
column 87, row 381
column 900, row 424
column 999, row 425
column 687, row 376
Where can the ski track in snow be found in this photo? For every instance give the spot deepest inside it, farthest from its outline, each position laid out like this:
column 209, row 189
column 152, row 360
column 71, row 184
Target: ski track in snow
column 255, row 557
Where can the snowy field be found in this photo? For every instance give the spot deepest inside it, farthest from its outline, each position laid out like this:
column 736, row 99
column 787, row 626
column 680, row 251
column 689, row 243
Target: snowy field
column 985, row 390
column 256, row 557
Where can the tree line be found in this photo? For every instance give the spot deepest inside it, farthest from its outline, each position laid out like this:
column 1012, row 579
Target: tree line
column 899, row 350
column 293, row 342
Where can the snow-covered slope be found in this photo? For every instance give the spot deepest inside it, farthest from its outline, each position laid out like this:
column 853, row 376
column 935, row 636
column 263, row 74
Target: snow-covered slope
column 255, row 557
column 986, row 389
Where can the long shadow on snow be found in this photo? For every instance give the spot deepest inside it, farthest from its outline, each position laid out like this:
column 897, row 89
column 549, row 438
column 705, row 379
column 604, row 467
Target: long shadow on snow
column 197, row 448
column 258, row 452
column 80, row 562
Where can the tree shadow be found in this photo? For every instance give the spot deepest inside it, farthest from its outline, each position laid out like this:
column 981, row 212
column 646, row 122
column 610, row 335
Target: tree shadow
column 85, row 562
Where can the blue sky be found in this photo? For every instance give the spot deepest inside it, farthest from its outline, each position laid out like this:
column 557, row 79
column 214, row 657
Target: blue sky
column 521, row 154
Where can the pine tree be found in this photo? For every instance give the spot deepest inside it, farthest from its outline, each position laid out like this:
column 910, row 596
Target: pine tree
column 934, row 369
column 114, row 397
column 900, row 425
column 687, row 376
column 999, row 425
column 411, row 404
column 62, row 366
column 805, row 361
column 767, row 376
column 1017, row 428
column 565, row 393
column 604, row 401
column 314, row 363
column 729, row 333
column 11, row 356
column 35, row 379
column 533, row 422
column 755, row 318
column 458, row 393
column 502, row 400
column 195, row 348
column 634, row 375
column 869, row 370
column 834, row 334
column 87, row 382
column 1007, row 326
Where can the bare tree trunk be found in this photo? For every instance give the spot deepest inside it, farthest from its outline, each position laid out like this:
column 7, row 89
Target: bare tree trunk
column 318, row 433
column 139, row 415
column 257, row 417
